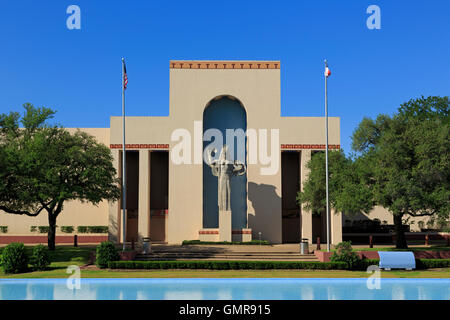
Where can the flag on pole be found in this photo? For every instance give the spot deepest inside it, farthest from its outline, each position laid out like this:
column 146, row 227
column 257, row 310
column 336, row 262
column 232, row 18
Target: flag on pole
column 125, row 77
column 327, row 72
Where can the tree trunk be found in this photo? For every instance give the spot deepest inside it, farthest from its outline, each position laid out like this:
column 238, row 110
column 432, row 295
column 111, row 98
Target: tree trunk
column 400, row 239
column 51, row 232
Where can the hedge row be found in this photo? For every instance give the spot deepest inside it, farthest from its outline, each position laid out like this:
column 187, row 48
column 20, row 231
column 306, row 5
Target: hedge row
column 227, row 265
column 70, row 229
column 261, row 265
column 253, row 242
column 92, row 229
column 420, row 263
column 432, row 263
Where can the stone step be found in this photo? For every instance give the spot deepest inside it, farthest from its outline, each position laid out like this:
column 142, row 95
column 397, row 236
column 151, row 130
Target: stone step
column 223, row 259
column 227, row 256
column 232, row 253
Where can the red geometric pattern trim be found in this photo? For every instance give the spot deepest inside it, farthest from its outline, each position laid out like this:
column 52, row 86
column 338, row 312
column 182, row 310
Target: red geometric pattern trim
column 140, row 146
column 241, row 232
column 309, row 146
column 224, row 64
column 215, row 231
column 208, row 232
column 159, row 213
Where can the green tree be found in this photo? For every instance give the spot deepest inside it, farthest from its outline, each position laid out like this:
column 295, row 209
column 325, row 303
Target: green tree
column 402, row 162
column 348, row 191
column 408, row 156
column 42, row 166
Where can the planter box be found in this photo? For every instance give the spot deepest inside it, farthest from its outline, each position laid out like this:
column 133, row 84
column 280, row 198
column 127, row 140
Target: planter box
column 428, row 254
column 323, row 256
column 127, row 255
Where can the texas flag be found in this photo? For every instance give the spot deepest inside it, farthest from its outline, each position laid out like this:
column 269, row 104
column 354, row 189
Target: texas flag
column 327, row 72
column 125, row 77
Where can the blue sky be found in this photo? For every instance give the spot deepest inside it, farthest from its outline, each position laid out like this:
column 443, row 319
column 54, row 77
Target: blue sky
column 78, row 72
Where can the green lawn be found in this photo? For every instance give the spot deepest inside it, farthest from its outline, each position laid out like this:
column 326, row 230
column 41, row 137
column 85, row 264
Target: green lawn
column 61, row 273
column 64, row 256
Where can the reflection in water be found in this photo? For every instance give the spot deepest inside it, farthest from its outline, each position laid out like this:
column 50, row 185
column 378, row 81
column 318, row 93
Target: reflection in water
column 398, row 293
column 237, row 289
column 40, row 291
column 306, row 292
column 17, row 292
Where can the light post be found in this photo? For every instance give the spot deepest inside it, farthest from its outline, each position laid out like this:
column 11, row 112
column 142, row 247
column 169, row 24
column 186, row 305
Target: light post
column 327, row 73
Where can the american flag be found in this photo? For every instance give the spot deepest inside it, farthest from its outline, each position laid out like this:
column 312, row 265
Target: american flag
column 125, row 77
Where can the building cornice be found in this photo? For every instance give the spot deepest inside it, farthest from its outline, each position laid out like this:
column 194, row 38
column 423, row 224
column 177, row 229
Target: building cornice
column 165, row 146
column 309, row 146
column 193, row 64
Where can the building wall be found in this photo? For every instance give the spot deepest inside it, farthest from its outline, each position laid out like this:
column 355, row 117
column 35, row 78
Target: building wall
column 74, row 213
column 191, row 90
column 383, row 214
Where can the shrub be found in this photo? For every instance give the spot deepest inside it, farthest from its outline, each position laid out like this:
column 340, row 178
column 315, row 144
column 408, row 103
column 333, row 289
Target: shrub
column 344, row 253
column 420, row 263
column 40, row 259
column 92, row 229
column 82, row 229
column 227, row 265
column 432, row 263
column 365, row 263
column 67, row 229
column 33, row 228
column 43, row 229
column 97, row 229
column 14, row 258
column 3, row 229
column 106, row 252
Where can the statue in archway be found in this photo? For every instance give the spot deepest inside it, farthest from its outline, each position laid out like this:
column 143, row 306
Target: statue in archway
column 224, row 169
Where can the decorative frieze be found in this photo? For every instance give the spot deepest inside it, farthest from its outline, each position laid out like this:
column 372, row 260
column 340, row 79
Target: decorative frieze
column 309, row 146
column 140, row 146
column 224, row 64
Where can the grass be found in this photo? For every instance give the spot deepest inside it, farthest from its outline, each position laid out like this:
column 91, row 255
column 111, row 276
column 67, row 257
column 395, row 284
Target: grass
column 61, row 273
column 64, row 256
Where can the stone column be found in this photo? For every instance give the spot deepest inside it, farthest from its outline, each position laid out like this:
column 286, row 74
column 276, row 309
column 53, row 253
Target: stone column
column 144, row 195
column 225, row 232
column 114, row 207
column 306, row 215
column 336, row 227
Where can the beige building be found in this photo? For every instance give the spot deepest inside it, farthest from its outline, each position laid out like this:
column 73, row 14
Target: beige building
column 167, row 200
column 171, row 193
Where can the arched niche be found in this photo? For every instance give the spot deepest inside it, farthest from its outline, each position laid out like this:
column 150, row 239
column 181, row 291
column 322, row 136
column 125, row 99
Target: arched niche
column 222, row 113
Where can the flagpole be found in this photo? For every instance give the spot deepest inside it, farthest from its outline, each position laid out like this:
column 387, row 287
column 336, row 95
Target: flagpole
column 326, row 158
column 124, row 186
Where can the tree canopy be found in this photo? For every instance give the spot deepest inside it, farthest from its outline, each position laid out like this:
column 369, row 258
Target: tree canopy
column 402, row 162
column 346, row 185
column 42, row 166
